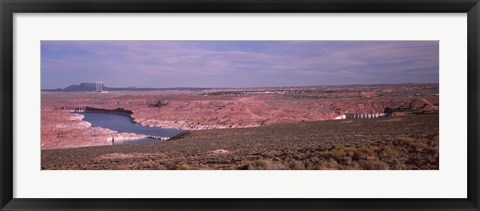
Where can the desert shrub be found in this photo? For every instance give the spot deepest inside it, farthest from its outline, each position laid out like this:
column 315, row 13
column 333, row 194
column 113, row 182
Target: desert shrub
column 388, row 152
column 262, row 165
column 346, row 160
column 416, row 144
column 373, row 165
column 335, row 153
column 364, row 152
column 403, row 140
column 244, row 166
column 160, row 167
column 296, row 165
column 326, row 165
column 272, row 165
column 398, row 165
column 358, row 155
column 421, row 143
column 270, row 154
column 183, row 166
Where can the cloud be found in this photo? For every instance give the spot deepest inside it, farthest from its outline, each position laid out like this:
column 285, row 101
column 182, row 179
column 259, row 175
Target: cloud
column 137, row 62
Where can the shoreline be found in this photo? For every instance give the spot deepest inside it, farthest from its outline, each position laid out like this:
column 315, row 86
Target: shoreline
column 166, row 124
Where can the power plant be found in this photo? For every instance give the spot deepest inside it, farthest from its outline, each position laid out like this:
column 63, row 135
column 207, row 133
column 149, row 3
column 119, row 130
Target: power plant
column 99, row 87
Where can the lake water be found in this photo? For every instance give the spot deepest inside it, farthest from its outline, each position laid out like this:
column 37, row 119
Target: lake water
column 123, row 123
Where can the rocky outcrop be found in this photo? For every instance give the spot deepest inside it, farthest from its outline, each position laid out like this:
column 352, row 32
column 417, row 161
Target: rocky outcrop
column 61, row 129
column 417, row 105
column 121, row 111
column 159, row 104
column 421, row 104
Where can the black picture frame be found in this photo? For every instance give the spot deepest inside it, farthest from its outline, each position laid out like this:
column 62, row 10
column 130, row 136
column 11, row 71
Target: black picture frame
column 9, row 7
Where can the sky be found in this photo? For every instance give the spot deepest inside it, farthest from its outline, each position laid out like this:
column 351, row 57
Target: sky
column 211, row 64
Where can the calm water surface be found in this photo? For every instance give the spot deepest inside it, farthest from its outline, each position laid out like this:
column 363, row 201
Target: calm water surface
column 123, row 123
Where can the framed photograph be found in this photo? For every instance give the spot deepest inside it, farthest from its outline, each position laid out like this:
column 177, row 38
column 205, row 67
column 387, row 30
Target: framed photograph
column 229, row 105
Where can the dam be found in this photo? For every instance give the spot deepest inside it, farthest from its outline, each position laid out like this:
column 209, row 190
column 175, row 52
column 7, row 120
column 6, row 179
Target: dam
column 361, row 115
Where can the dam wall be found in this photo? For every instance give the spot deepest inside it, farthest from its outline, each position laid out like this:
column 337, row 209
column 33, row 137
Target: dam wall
column 361, row 115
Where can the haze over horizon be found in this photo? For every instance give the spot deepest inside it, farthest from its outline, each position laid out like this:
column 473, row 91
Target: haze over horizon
column 235, row 64
column 135, row 87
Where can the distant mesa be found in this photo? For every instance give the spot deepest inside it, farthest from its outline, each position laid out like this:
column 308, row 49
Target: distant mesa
column 82, row 87
column 92, row 87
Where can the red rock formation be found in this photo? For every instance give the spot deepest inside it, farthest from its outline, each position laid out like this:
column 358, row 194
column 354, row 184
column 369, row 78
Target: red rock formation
column 191, row 111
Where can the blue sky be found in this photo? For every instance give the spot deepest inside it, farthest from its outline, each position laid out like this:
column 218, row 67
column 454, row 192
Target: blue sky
column 162, row 64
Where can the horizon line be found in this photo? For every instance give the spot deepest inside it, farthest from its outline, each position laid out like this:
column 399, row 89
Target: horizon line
column 193, row 87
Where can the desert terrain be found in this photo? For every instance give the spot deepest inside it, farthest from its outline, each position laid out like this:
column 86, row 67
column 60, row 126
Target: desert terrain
column 402, row 142
column 250, row 128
